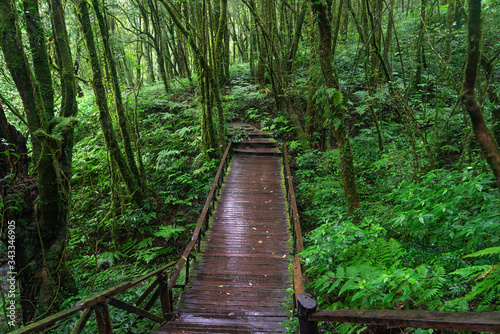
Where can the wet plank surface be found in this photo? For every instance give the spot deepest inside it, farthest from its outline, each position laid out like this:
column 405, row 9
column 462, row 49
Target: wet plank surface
column 240, row 284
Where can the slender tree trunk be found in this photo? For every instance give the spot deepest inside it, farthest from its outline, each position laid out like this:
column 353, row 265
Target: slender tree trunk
column 209, row 91
column 115, row 83
column 102, row 103
column 449, row 29
column 38, row 45
column 331, row 80
column 159, row 42
column 483, row 135
column 419, row 55
column 388, row 34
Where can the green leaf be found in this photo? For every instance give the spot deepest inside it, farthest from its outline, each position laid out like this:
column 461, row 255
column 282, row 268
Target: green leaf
column 388, row 298
column 357, row 295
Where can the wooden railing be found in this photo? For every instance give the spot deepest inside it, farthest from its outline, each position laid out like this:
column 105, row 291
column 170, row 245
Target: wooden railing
column 99, row 304
column 161, row 287
column 305, row 305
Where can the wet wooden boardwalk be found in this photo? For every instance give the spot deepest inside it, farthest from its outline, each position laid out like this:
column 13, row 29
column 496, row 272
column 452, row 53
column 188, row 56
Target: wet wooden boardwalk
column 240, row 285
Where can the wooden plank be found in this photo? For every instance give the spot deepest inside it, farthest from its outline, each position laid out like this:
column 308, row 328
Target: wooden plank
column 102, row 318
column 46, row 322
column 461, row 321
column 88, row 302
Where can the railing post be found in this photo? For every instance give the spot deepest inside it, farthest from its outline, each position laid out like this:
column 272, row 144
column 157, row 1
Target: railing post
column 306, row 305
column 165, row 299
column 187, row 270
column 102, row 318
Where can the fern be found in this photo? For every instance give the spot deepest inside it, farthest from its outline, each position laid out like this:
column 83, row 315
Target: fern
column 391, row 252
column 427, row 294
column 349, row 285
column 484, row 252
column 486, row 276
column 470, row 271
column 169, row 232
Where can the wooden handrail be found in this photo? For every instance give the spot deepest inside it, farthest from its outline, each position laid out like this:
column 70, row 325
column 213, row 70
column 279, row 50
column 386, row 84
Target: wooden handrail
column 90, row 302
column 461, row 321
column 298, row 279
column 309, row 317
column 299, row 245
column 99, row 303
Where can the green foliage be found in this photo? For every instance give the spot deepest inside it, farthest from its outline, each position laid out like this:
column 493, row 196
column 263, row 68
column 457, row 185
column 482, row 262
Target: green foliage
column 487, row 277
column 243, row 98
column 326, row 99
column 448, row 208
column 407, row 252
column 169, row 232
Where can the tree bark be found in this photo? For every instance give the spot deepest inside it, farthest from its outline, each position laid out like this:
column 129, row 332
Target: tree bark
column 39, row 54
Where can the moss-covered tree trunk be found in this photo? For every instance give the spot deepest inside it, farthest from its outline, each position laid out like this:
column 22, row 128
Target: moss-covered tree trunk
column 48, row 281
column 133, row 187
column 115, row 83
column 331, row 80
column 158, row 41
column 209, row 89
column 19, row 190
column 481, row 131
column 39, row 54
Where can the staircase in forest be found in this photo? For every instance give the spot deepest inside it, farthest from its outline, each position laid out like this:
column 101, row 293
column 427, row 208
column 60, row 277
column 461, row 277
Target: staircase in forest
column 241, row 282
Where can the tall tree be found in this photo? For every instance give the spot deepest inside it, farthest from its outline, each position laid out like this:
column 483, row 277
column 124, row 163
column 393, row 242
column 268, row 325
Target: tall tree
column 133, row 187
column 212, row 140
column 45, row 280
column 331, row 81
column 117, row 93
column 481, row 131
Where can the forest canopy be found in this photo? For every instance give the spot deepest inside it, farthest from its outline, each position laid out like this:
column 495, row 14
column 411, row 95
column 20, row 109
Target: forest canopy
column 113, row 119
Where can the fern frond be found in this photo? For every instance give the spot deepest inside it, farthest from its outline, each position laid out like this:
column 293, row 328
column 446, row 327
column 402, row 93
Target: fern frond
column 466, row 272
column 349, row 285
column 487, row 272
column 169, row 232
column 427, row 294
column 486, row 251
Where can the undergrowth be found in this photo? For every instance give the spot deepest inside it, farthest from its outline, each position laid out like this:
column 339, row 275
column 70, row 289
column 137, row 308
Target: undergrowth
column 430, row 243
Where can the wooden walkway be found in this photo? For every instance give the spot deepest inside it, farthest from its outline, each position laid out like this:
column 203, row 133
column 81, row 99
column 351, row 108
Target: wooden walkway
column 240, row 285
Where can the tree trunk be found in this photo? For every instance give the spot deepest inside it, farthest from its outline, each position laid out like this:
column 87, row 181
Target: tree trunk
column 331, row 80
column 39, row 54
column 483, row 135
column 21, row 190
column 120, row 109
column 133, row 187
column 49, row 284
column 209, row 90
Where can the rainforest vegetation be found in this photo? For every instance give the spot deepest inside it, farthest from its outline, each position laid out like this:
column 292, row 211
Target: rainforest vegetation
column 113, row 118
